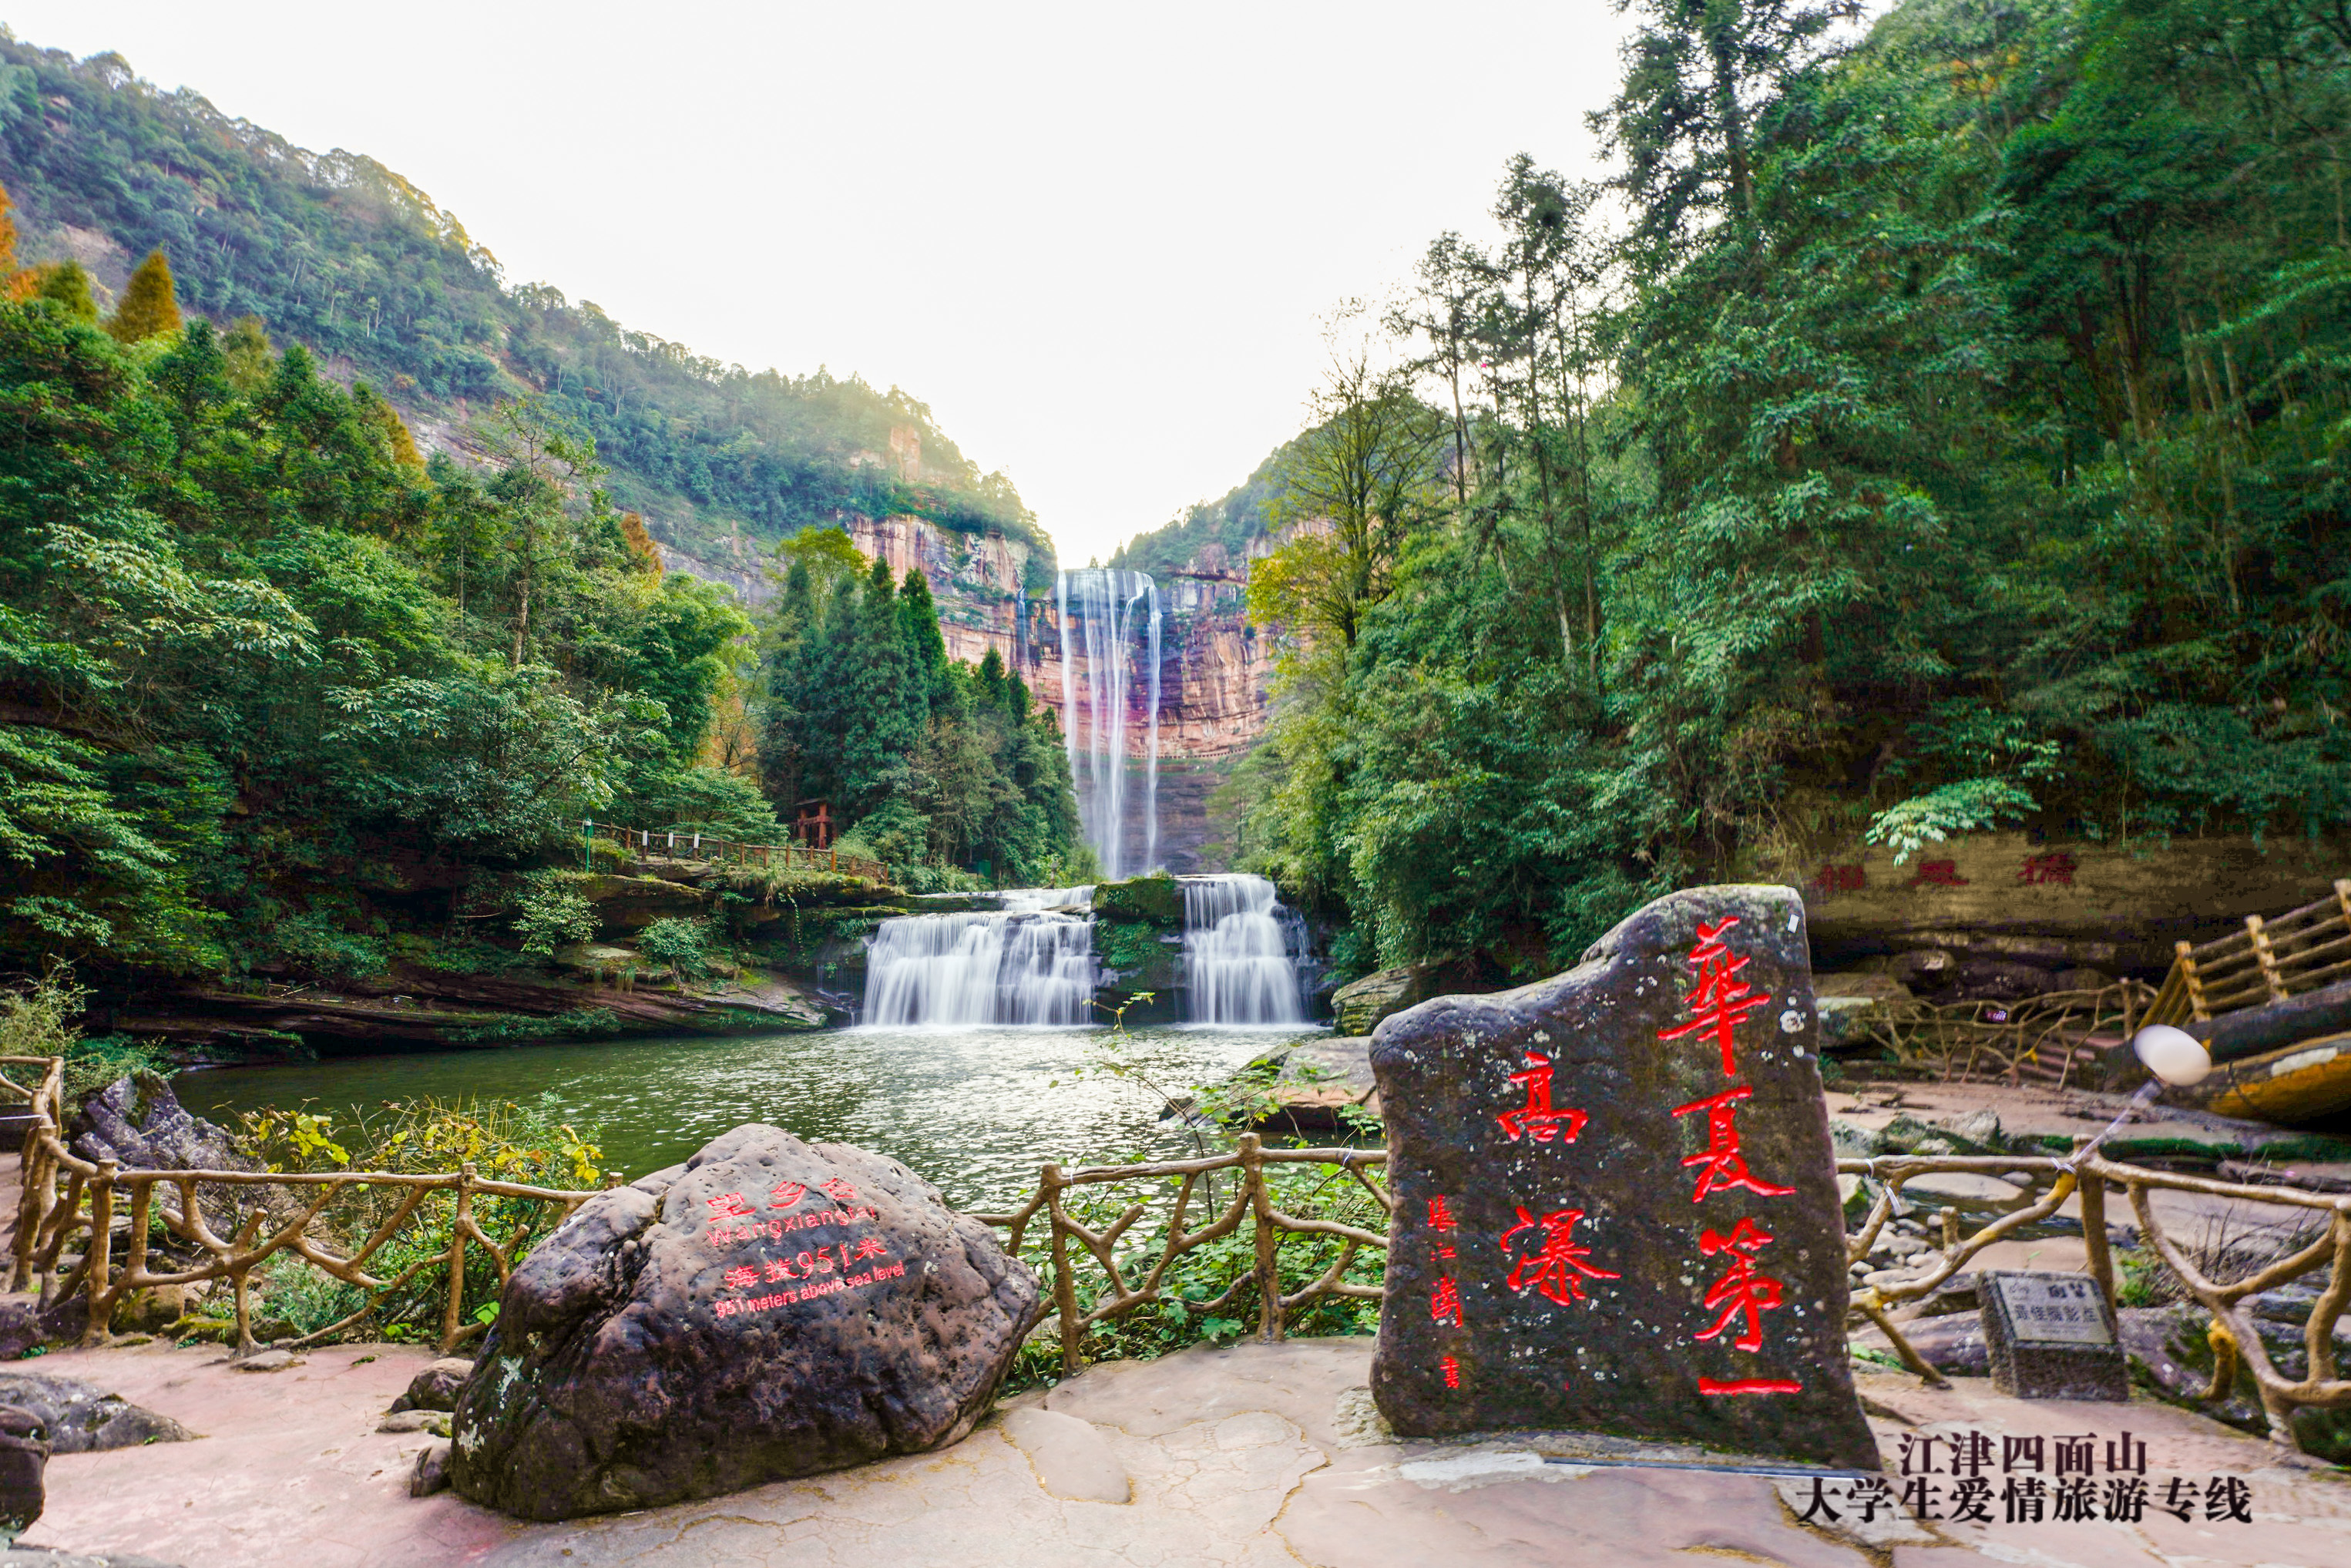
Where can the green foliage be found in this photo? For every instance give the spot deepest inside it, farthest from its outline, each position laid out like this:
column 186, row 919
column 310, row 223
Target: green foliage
column 38, row 1019
column 270, row 678
column 577, row 1023
column 1951, row 440
column 681, row 944
column 528, row 1143
column 936, row 766
column 1211, row 1295
column 553, row 911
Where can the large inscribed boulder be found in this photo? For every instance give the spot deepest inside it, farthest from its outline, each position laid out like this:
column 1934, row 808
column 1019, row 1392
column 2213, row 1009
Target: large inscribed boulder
column 1615, row 1198
column 768, row 1309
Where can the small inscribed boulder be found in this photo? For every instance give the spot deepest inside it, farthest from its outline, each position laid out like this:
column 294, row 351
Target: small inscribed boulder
column 768, row 1309
column 1615, row 1200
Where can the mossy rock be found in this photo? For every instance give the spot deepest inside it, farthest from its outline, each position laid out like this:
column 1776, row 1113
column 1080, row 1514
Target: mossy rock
column 1156, row 898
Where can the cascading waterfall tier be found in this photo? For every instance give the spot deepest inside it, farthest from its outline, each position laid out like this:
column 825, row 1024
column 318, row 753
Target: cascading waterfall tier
column 1104, row 615
column 1241, row 947
column 1012, row 966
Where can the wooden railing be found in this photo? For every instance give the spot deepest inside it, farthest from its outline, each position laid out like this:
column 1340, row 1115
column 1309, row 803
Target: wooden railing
column 1126, row 1289
column 2061, row 1038
column 47, row 1221
column 645, row 843
column 2268, row 961
column 2235, row 1340
column 1123, row 1286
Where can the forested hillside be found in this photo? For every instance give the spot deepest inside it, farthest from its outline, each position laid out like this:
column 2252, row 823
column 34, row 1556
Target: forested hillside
column 281, row 697
column 338, row 253
column 1937, row 432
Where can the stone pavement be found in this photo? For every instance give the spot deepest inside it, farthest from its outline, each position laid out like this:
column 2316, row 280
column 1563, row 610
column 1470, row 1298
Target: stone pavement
column 1247, row 1455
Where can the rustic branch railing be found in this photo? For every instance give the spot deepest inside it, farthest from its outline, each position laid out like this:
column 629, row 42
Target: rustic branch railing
column 1253, row 1202
column 2058, row 1038
column 46, row 1221
column 643, row 843
column 2091, row 1178
column 2268, row 961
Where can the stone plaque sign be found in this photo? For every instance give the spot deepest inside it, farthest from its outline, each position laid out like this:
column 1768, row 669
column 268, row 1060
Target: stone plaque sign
column 2053, row 1309
column 768, row 1309
column 1615, row 1197
column 2050, row 1337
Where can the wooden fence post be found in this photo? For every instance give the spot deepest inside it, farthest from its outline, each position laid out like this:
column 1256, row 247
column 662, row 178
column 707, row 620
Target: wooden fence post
column 1065, row 1289
column 101, row 1251
column 1269, row 1273
column 2266, row 956
column 2193, row 981
column 453, row 1317
column 2093, row 1193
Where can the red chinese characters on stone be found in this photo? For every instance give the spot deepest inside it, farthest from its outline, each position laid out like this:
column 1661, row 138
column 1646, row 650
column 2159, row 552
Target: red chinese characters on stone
column 728, row 1205
column 1451, row 1367
column 838, row 1190
column 1537, row 1119
column 739, row 1275
column 786, row 1194
column 1744, row 1291
column 1725, row 1166
column 1445, row 1301
column 2040, row 870
column 1835, row 879
column 1938, row 873
column 1556, row 1267
column 1721, row 1000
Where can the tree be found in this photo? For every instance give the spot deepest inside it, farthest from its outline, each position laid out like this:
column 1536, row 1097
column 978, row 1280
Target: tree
column 1353, row 487
column 150, row 308
column 1696, row 74
column 66, row 287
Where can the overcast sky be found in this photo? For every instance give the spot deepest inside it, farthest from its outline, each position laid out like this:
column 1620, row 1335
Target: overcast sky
column 1095, row 239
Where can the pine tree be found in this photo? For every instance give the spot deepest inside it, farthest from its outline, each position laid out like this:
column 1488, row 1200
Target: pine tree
column 150, row 308
column 918, row 624
column 66, row 285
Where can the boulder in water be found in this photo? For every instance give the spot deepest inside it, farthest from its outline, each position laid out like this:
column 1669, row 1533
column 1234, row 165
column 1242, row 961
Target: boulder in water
column 769, row 1308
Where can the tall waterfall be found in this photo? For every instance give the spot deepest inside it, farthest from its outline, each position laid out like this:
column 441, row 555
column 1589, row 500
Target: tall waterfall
column 1239, row 947
column 1101, row 613
column 1014, row 967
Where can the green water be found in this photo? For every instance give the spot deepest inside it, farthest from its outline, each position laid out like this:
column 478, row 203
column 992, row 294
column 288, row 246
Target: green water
column 976, row 1112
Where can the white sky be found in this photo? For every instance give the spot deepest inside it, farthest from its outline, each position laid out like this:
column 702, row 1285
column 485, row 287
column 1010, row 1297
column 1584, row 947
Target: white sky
column 1096, row 239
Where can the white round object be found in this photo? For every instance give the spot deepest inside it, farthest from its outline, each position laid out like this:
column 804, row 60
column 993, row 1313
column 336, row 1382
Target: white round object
column 2172, row 1054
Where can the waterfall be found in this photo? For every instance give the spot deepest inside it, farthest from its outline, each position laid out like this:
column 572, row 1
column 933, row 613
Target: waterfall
column 1099, row 625
column 1240, row 947
column 1013, row 966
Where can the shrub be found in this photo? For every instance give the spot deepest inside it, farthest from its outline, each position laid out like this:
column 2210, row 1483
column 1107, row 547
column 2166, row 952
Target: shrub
column 37, row 1019
column 553, row 911
column 682, row 944
column 526, row 1142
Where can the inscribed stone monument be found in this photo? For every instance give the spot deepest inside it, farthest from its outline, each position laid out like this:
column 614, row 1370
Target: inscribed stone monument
column 768, row 1309
column 1615, row 1197
column 2050, row 1337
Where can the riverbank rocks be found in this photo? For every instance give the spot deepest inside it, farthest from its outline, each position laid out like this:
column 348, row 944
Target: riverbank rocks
column 83, row 1418
column 1361, row 1005
column 138, row 1123
column 1617, row 1208
column 769, row 1308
